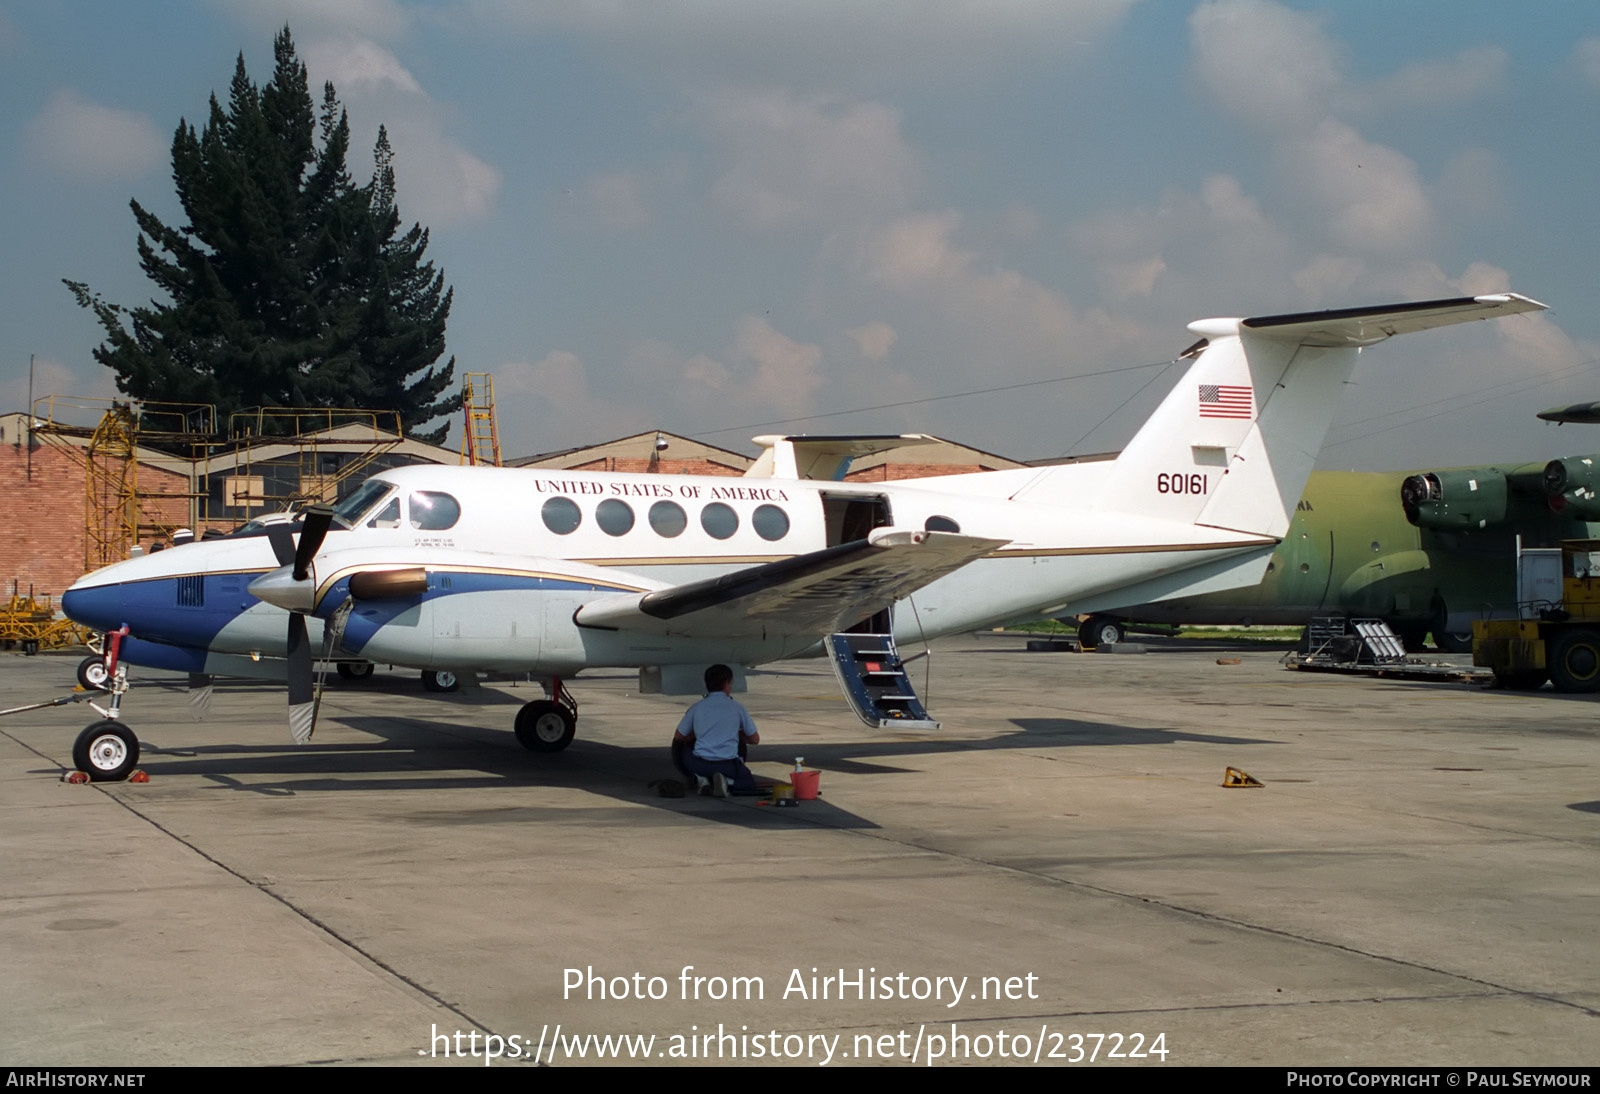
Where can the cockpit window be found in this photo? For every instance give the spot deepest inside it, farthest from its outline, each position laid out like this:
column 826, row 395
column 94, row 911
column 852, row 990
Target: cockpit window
column 348, row 513
column 389, row 517
column 433, row 511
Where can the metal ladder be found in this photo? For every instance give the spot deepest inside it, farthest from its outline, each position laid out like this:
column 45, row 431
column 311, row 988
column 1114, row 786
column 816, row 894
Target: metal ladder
column 481, row 444
column 1382, row 644
column 873, row 679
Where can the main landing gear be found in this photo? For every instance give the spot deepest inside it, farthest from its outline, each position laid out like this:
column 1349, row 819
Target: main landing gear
column 548, row 725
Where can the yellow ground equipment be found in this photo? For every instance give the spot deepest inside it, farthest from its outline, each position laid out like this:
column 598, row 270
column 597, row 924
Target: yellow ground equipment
column 33, row 625
column 1558, row 640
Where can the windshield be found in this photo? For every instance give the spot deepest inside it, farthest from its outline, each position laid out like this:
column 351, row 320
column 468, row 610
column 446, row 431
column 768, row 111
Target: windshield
column 349, row 511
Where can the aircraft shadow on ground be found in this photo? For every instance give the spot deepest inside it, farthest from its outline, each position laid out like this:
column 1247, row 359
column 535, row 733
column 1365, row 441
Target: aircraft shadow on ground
column 423, row 754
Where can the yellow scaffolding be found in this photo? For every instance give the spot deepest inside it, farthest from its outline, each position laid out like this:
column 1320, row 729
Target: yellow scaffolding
column 312, row 432
column 117, row 514
column 482, row 440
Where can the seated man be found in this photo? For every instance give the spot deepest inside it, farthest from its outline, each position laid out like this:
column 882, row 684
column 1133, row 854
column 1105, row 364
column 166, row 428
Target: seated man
column 716, row 726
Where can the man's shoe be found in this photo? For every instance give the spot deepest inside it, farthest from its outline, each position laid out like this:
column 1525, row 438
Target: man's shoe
column 702, row 785
column 719, row 785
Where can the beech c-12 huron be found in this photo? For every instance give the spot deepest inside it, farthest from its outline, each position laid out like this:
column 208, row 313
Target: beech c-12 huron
column 523, row 570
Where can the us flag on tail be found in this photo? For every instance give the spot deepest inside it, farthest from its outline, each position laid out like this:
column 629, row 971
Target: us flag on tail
column 1225, row 401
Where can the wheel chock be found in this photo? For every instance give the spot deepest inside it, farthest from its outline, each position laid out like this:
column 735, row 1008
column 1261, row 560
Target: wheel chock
column 1233, row 778
column 140, row 776
column 77, row 778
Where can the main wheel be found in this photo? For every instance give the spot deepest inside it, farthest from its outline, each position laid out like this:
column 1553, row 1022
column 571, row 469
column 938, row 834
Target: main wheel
column 1575, row 660
column 1453, row 642
column 355, row 670
column 545, row 726
column 92, row 674
column 107, row 750
column 1098, row 631
column 440, row 681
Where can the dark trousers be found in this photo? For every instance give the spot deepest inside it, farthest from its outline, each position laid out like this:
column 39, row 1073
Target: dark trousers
column 737, row 774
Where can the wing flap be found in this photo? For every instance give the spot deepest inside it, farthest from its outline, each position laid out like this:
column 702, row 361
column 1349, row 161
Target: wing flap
column 811, row 594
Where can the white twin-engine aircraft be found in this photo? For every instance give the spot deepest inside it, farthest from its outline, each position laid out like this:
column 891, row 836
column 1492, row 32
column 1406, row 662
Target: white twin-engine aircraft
column 533, row 571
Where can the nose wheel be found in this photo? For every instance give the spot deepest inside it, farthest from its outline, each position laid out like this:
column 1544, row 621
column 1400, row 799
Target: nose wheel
column 107, row 750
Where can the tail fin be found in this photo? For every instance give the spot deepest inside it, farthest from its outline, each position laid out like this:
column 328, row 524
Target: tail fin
column 1234, row 443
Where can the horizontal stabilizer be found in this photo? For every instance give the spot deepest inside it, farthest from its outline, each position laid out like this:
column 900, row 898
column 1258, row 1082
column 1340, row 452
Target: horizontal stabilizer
column 827, row 458
column 1367, row 326
column 811, row 594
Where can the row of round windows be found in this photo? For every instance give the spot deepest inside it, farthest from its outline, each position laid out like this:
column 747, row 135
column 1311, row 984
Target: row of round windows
column 667, row 518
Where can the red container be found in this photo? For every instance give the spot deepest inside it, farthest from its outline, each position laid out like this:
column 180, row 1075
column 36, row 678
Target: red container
column 805, row 784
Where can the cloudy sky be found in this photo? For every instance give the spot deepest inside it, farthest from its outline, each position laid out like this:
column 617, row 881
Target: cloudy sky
column 727, row 217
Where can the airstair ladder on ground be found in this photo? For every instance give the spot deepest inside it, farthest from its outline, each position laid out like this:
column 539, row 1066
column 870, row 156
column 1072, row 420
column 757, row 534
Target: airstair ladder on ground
column 874, row 681
column 1382, row 644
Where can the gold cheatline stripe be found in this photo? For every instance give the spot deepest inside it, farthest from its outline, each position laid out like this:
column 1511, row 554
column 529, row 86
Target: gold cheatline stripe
column 503, row 570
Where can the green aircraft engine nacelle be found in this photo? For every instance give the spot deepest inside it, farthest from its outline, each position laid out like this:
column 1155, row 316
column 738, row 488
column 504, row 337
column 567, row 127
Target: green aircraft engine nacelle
column 1573, row 486
column 1454, row 501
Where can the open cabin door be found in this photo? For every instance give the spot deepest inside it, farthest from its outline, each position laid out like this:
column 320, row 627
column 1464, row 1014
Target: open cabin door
column 864, row 658
column 850, row 517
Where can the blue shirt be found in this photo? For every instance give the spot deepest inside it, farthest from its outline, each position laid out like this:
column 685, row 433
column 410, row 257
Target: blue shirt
column 716, row 722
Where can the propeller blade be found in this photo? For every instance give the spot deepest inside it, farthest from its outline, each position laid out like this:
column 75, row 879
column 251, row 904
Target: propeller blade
column 282, row 540
column 313, row 529
column 302, row 692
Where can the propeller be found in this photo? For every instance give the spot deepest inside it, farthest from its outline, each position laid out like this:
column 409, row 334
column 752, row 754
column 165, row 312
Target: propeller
column 290, row 586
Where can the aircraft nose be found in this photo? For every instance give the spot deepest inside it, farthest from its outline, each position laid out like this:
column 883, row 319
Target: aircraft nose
column 97, row 606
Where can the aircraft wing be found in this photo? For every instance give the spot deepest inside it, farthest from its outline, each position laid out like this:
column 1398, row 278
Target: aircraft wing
column 812, row 594
column 1366, row 326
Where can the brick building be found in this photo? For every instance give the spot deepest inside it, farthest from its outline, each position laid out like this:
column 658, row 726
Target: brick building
column 44, row 542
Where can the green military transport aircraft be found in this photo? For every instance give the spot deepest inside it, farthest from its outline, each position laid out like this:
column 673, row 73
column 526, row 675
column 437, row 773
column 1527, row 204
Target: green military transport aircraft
column 1426, row 551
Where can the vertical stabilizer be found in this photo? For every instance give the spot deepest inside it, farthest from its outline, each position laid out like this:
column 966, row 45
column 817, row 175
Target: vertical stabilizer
column 1234, row 442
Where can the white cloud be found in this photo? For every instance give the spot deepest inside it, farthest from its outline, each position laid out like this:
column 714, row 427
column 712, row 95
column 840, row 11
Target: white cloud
column 1328, row 277
column 1471, row 184
column 773, row 371
column 77, row 137
column 981, row 309
column 1277, row 68
column 552, row 404
column 359, row 64
column 874, row 340
column 1265, row 63
column 1369, row 194
column 1185, row 245
column 1470, row 74
column 439, row 182
column 807, row 161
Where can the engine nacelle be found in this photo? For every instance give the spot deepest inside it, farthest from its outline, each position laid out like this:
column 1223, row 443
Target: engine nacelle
column 1454, row 501
column 1573, row 485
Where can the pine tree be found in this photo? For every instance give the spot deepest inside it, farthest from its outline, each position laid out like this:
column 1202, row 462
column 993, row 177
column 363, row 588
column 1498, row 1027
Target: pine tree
column 289, row 286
